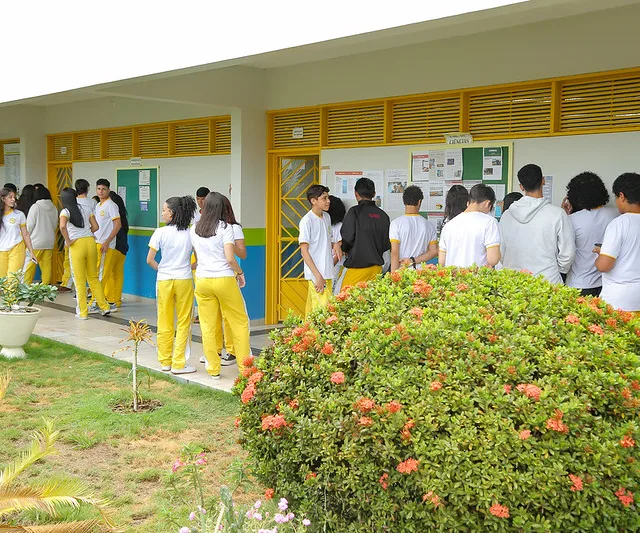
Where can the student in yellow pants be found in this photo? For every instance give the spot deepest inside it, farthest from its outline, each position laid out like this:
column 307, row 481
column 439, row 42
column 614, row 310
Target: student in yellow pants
column 174, row 285
column 218, row 283
column 77, row 225
column 42, row 222
column 114, row 283
column 13, row 235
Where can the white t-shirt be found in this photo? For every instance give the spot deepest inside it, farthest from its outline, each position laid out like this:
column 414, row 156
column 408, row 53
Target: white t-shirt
column 621, row 285
column 466, row 238
column 589, row 226
column 238, row 234
column 105, row 213
column 89, row 202
column 316, row 232
column 336, row 236
column 413, row 233
column 196, row 216
column 10, row 233
column 212, row 263
column 175, row 246
column 74, row 231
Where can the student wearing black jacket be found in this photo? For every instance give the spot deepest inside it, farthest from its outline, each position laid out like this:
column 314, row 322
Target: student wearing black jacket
column 365, row 236
column 113, row 285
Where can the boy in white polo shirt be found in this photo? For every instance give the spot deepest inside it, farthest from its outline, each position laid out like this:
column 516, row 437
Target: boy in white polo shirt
column 619, row 255
column 473, row 237
column 413, row 238
column 107, row 216
column 316, row 242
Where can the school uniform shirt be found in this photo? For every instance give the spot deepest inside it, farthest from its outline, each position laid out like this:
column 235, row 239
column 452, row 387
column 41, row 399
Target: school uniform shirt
column 589, row 227
column 212, row 263
column 316, row 232
column 42, row 222
column 621, row 285
column 10, row 233
column 413, row 233
column 336, row 237
column 238, row 234
column 89, row 202
column 76, row 232
column 365, row 235
column 175, row 247
column 105, row 213
column 465, row 239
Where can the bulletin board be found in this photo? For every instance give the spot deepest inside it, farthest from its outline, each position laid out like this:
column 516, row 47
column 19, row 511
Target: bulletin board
column 139, row 189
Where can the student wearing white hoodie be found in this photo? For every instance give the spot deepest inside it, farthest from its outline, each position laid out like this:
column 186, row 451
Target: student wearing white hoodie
column 42, row 222
column 536, row 235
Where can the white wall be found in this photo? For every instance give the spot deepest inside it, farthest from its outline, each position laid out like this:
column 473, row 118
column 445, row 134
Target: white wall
column 604, row 40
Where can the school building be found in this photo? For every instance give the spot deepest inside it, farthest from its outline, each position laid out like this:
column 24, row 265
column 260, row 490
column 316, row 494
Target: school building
column 559, row 81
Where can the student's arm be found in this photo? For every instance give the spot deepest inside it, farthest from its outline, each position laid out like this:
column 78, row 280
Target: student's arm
column 319, row 282
column 492, row 242
column 348, row 231
column 605, row 263
column 610, row 249
column 442, row 257
column 493, row 255
column 27, row 241
column 117, row 224
column 566, row 244
column 240, row 249
column 395, row 255
column 431, row 252
column 93, row 225
column 31, row 218
column 151, row 259
column 230, row 254
column 337, row 252
column 65, row 231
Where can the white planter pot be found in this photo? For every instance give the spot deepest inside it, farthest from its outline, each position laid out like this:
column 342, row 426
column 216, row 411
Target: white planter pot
column 15, row 330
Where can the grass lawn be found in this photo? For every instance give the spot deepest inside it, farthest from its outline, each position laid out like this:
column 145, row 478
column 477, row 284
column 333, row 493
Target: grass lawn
column 124, row 457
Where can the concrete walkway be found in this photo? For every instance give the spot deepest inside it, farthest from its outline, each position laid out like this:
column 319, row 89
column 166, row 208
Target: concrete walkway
column 104, row 335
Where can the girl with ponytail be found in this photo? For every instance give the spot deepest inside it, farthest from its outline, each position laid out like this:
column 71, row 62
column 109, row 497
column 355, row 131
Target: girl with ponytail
column 174, row 285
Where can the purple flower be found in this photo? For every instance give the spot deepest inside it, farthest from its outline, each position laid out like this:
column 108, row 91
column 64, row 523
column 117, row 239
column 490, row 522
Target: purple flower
column 290, row 516
column 283, row 504
column 257, row 504
column 280, row 518
column 192, row 516
column 306, row 522
column 184, row 529
column 257, row 516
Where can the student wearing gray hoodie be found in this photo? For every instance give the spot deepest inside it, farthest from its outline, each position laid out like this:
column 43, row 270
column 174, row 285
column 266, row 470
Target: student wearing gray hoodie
column 536, row 235
column 42, row 222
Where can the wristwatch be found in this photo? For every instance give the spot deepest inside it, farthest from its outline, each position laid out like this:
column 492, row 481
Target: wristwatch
column 413, row 261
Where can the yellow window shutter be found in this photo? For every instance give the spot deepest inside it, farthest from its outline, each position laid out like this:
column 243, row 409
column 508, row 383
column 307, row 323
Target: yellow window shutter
column 88, row 146
column 154, row 140
column 192, row 138
column 285, row 123
column 349, row 125
column 424, row 119
column 119, row 144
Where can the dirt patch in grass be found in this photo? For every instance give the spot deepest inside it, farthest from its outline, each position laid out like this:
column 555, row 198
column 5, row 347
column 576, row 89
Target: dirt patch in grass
column 144, row 406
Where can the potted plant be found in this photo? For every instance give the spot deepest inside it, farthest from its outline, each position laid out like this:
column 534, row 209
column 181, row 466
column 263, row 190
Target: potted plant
column 18, row 317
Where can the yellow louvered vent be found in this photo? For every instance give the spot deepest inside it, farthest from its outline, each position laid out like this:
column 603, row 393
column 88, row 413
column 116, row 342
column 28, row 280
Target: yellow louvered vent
column 192, row 138
column 510, row 112
column 355, row 125
column 601, row 104
column 88, row 146
column 221, row 137
column 2, row 143
column 306, row 125
column 154, row 140
column 425, row 119
column 119, row 144
column 61, row 147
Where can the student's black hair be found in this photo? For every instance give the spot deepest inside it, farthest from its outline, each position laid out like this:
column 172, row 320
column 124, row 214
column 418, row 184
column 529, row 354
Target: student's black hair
column 11, row 187
column 316, row 191
column 202, row 192
column 37, row 186
column 365, row 188
column 456, row 202
column 124, row 215
column 4, row 192
column 509, row 199
column 229, row 216
column 481, row 193
column 586, row 191
column 183, row 208
column 337, row 210
column 26, row 199
column 530, row 177
column 42, row 193
column 212, row 215
column 70, row 203
column 96, row 199
column 104, row 182
column 82, row 186
column 412, row 195
column 628, row 184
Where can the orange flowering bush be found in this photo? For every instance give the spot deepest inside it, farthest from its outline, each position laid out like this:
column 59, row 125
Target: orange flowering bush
column 452, row 400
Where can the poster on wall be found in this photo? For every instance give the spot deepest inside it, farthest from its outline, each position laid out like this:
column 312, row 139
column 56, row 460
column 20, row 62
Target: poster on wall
column 453, row 164
column 12, row 163
column 345, row 181
column 436, row 219
column 377, row 176
column 547, row 188
column 395, row 186
column 420, row 166
column 436, row 196
column 492, row 164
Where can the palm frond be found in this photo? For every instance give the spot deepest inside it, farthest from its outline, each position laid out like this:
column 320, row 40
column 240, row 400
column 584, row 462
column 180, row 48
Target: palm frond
column 5, row 379
column 41, row 446
column 85, row 526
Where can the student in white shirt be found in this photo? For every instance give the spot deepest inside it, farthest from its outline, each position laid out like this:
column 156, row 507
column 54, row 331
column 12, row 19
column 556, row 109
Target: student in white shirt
column 13, row 235
column 587, row 197
column 218, row 282
column 473, row 237
column 413, row 237
column 316, row 242
column 108, row 218
column 201, row 194
column 174, row 283
column 42, row 222
column 336, row 211
column 619, row 256
column 77, row 224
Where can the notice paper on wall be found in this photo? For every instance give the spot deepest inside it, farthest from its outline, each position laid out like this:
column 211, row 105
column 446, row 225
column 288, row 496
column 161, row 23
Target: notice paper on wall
column 436, row 196
column 547, row 188
column 122, row 192
column 144, row 206
column 436, row 219
column 377, row 176
column 144, row 177
column 145, row 193
column 453, row 164
column 345, row 181
column 499, row 189
column 396, row 184
column 492, row 164
column 420, row 166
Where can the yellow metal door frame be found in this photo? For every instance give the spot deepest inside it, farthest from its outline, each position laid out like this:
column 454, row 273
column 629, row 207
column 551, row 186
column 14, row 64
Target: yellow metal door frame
column 59, row 176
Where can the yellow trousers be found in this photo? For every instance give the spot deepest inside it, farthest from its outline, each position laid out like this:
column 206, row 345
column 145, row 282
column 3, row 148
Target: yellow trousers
column 83, row 258
column 224, row 335
column 12, row 260
column 45, row 262
column 113, row 284
column 175, row 298
column 104, row 264
column 222, row 294
column 317, row 299
column 67, row 281
column 354, row 275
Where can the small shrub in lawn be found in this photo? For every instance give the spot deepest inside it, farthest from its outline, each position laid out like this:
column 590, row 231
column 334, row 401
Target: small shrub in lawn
column 452, row 400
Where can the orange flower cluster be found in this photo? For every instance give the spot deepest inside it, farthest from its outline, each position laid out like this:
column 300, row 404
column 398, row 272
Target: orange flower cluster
column 492, row 338
column 396, row 276
column 269, row 494
column 337, row 378
column 572, row 319
column 625, row 496
column 435, row 385
column 342, row 296
column 308, row 339
column 393, row 406
column 555, row 423
column 408, row 466
column 462, row 287
column 422, row 288
column 433, row 498
column 405, row 432
column 311, row 475
column 594, row 328
column 248, row 393
column 327, row 349
column 524, row 434
column 417, row 312
column 612, row 322
column 507, row 389
column 331, row 320
column 271, row 422
column 383, row 481
column 362, row 284
column 501, row 511
column 364, row 405
column 365, row 421
column 530, row 391
column 627, row 442
column 576, row 483
column 294, row 404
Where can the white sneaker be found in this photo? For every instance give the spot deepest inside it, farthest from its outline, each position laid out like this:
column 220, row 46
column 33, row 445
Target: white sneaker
column 94, row 309
column 105, row 313
column 203, row 359
column 186, row 370
column 81, row 317
column 166, row 368
column 114, row 308
column 215, row 378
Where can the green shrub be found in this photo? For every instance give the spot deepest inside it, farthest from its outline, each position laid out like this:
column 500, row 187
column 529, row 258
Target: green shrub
column 452, row 400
